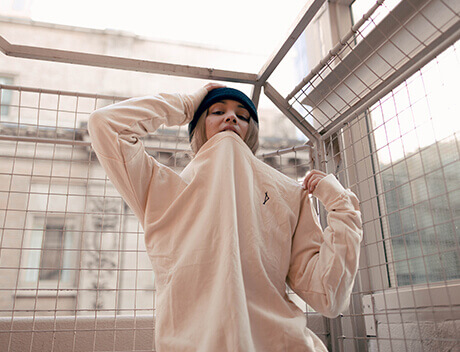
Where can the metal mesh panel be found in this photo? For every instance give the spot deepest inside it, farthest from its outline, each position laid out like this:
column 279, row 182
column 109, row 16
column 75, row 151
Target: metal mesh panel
column 412, row 149
column 70, row 247
column 399, row 150
column 379, row 49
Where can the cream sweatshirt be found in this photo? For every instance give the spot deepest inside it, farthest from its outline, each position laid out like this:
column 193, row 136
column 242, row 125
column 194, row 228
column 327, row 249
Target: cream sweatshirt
column 227, row 234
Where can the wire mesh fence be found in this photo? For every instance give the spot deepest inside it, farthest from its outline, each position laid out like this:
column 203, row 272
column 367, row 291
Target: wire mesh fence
column 389, row 130
column 378, row 52
column 69, row 246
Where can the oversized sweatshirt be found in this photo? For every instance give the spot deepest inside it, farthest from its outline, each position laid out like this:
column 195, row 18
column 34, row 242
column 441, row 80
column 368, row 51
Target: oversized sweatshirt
column 227, row 234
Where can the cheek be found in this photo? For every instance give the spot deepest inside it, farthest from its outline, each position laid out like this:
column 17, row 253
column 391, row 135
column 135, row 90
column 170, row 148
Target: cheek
column 244, row 130
column 211, row 127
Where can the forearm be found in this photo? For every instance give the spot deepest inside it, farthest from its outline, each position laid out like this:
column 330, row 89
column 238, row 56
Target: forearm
column 115, row 135
column 324, row 263
column 118, row 126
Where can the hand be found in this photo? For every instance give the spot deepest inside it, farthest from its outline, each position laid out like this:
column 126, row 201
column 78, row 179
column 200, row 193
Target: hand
column 312, row 179
column 211, row 86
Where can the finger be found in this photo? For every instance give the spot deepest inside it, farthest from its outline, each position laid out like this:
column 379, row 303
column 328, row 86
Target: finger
column 310, row 183
column 306, row 180
column 211, row 86
column 315, row 180
column 309, row 175
column 314, row 183
column 217, row 85
column 318, row 172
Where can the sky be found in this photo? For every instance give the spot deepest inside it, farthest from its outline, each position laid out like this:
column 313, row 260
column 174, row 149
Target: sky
column 257, row 26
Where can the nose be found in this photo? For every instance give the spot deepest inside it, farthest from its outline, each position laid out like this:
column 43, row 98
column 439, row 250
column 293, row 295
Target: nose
column 231, row 118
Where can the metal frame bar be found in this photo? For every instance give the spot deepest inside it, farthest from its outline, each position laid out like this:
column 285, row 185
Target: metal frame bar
column 258, row 80
column 305, row 17
column 298, row 121
column 334, row 51
column 121, row 63
column 107, row 61
column 255, row 94
column 61, row 92
column 286, row 150
column 81, row 143
column 291, row 114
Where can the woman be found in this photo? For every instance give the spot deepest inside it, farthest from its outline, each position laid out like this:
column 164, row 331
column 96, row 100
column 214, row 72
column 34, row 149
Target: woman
column 227, row 234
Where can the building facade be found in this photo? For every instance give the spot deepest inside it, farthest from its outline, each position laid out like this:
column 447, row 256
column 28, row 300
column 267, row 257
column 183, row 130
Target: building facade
column 70, row 245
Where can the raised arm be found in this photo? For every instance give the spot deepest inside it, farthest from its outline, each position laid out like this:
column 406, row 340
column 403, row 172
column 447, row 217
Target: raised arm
column 115, row 133
column 324, row 263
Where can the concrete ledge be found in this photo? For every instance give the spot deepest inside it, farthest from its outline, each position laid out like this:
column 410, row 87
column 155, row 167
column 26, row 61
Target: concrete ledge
column 82, row 334
column 417, row 336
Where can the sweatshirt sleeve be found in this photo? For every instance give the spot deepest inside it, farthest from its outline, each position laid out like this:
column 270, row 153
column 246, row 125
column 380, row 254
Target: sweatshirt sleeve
column 115, row 133
column 324, row 264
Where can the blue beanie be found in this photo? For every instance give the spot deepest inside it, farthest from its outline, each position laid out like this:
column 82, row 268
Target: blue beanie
column 220, row 94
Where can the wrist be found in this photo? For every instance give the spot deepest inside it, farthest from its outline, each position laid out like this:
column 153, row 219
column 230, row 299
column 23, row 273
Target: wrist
column 197, row 97
column 328, row 189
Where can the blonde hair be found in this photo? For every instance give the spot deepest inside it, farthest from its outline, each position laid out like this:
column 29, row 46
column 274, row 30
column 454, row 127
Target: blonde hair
column 199, row 135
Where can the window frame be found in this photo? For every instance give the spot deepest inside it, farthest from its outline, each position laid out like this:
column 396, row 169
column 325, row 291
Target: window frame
column 5, row 99
column 30, row 278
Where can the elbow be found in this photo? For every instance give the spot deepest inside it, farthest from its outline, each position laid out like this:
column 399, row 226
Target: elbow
column 101, row 131
column 334, row 310
column 332, row 313
column 332, row 302
column 95, row 121
column 326, row 305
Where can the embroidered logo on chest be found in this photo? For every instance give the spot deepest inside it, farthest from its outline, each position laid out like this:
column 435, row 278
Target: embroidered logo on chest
column 266, row 198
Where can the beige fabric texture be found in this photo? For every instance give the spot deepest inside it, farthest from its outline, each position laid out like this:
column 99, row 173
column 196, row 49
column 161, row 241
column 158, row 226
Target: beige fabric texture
column 227, row 234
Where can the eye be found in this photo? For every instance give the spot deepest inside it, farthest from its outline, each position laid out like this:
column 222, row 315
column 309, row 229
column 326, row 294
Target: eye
column 217, row 112
column 242, row 117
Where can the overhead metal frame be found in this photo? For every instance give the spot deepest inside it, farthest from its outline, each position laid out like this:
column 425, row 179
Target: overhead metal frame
column 256, row 80
column 302, row 21
column 347, row 73
column 334, row 51
column 302, row 124
column 121, row 63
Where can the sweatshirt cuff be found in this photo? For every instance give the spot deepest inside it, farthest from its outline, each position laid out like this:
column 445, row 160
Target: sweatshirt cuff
column 328, row 190
column 198, row 97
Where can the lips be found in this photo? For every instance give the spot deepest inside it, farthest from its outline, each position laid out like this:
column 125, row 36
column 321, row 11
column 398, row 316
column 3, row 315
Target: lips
column 230, row 128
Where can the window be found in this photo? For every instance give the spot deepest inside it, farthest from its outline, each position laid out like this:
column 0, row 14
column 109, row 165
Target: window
column 416, row 141
column 51, row 257
column 19, row 5
column 5, row 96
column 408, row 123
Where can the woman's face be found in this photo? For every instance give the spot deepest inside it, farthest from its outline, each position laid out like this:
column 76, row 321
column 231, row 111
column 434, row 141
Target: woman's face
column 227, row 115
